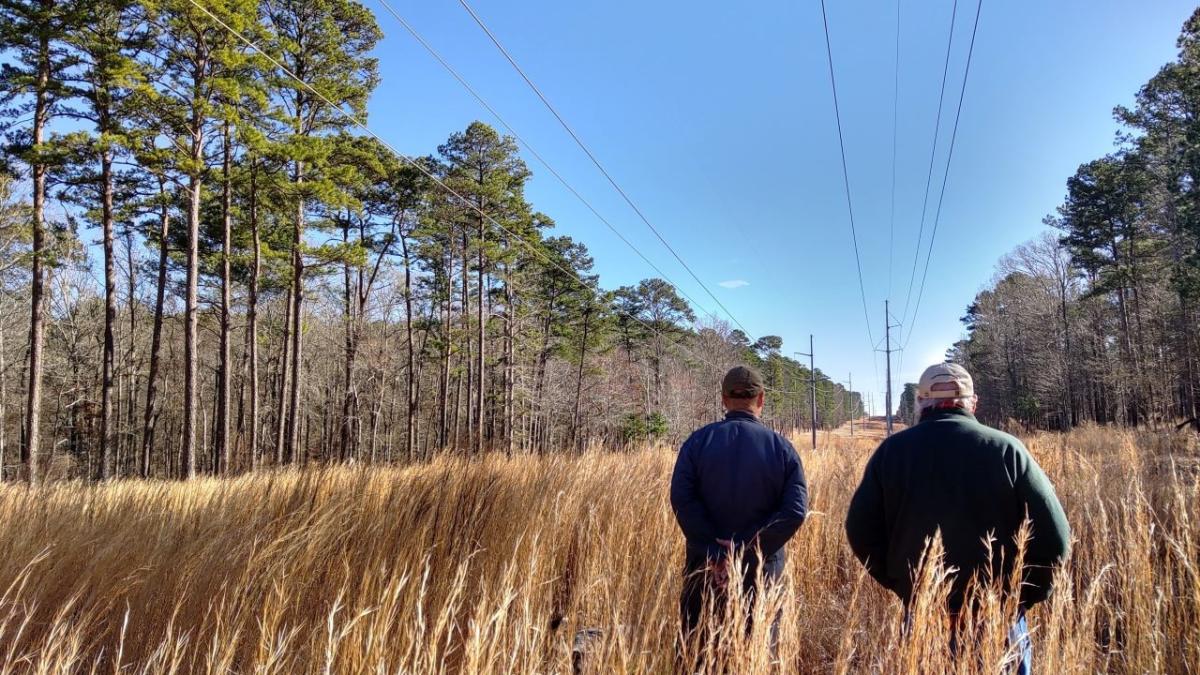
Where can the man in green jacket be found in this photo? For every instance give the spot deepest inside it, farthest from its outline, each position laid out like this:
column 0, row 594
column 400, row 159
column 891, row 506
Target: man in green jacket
column 952, row 474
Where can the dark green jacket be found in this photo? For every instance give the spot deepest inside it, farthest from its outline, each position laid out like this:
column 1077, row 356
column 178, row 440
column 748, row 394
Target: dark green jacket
column 953, row 474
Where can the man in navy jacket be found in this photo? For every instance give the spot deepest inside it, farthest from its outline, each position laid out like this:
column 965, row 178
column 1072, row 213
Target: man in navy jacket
column 738, row 488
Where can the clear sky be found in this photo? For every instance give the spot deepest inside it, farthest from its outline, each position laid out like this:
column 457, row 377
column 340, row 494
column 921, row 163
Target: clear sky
column 717, row 119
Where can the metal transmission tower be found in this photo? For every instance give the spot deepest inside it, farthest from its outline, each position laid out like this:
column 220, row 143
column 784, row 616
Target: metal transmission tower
column 812, row 380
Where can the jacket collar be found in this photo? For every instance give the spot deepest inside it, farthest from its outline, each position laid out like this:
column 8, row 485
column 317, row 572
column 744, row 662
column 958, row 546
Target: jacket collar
column 740, row 415
column 935, row 414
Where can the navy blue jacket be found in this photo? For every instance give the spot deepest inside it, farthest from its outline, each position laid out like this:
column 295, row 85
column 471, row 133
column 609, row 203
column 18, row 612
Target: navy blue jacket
column 737, row 480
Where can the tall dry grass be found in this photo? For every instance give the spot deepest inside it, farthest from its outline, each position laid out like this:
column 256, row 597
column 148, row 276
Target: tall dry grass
column 497, row 565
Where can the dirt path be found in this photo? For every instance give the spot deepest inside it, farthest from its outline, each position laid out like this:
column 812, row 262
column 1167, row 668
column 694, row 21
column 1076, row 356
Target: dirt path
column 868, row 427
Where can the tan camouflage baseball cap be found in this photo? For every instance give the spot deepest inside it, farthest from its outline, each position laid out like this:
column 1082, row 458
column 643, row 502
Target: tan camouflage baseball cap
column 945, row 380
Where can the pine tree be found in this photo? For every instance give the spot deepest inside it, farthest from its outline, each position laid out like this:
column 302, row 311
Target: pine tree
column 654, row 314
column 907, row 411
column 325, row 44
column 484, row 168
column 31, row 83
column 108, row 42
column 199, row 61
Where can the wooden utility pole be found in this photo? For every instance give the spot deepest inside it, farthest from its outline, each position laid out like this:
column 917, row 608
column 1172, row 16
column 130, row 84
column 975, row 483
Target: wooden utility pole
column 812, row 380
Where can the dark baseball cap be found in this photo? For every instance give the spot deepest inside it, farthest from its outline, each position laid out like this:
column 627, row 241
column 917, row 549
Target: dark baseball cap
column 742, row 382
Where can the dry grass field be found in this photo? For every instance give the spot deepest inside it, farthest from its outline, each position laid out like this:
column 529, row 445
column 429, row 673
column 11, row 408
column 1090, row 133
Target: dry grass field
column 495, row 565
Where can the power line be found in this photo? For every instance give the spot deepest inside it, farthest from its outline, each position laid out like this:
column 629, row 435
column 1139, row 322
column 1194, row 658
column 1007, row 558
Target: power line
column 593, row 287
column 849, row 202
column 895, row 134
column 583, row 146
column 937, row 127
column 845, row 176
column 478, row 97
column 946, row 176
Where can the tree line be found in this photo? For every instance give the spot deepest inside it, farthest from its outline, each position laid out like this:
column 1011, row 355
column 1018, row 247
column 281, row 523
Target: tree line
column 1096, row 320
column 207, row 270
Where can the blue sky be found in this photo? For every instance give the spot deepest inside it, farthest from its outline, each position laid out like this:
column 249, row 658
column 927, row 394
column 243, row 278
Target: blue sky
column 718, row 121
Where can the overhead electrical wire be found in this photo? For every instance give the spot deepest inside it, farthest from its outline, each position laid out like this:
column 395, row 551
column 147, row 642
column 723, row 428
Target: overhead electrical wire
column 895, row 135
column 593, row 287
column 937, row 127
column 504, row 123
column 846, row 174
column 595, row 161
column 849, row 201
column 946, row 175
column 895, row 138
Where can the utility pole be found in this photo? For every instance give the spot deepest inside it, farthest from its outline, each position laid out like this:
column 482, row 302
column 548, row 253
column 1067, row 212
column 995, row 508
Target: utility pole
column 848, row 402
column 851, row 410
column 887, row 332
column 812, row 379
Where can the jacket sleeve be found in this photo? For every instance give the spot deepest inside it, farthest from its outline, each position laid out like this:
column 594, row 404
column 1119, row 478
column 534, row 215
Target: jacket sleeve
column 689, row 510
column 866, row 528
column 793, row 506
column 1051, row 536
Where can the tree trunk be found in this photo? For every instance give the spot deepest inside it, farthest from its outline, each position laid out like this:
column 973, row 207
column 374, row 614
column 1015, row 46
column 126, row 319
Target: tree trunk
column 3, row 403
column 187, row 451
column 458, row 409
column 410, row 443
column 482, row 346
column 132, row 358
column 466, row 318
column 117, row 455
column 443, row 435
column 237, row 432
column 252, row 317
column 444, row 377
column 150, row 412
column 104, row 467
column 281, row 418
column 293, row 449
column 1131, row 405
column 587, row 316
column 205, row 429
column 1191, row 410
column 348, row 361
column 539, row 376
column 30, row 451
column 658, row 358
column 1072, row 415
column 509, row 355
column 223, row 449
